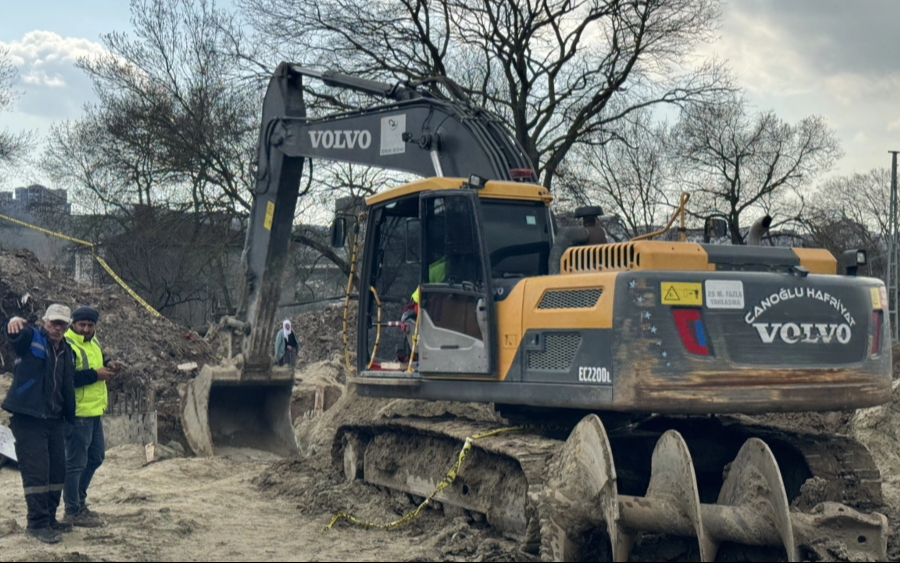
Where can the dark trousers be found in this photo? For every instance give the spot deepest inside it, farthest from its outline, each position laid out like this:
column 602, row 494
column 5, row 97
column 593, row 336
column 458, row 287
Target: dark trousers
column 40, row 447
column 85, row 450
column 287, row 358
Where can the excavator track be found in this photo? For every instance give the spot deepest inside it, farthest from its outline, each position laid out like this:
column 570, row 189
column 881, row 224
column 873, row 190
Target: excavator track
column 558, row 491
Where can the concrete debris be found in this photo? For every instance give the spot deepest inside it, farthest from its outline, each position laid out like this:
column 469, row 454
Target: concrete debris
column 7, row 445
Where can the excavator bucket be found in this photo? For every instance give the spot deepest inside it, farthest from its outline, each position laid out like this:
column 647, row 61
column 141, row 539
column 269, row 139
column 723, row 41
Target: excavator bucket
column 224, row 410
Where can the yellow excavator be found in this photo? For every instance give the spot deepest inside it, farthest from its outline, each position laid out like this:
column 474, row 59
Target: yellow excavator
column 636, row 368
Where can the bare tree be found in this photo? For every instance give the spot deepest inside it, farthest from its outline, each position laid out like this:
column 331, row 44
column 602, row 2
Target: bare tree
column 557, row 71
column 13, row 146
column 734, row 161
column 164, row 157
column 852, row 212
column 629, row 177
column 176, row 86
column 108, row 166
column 175, row 257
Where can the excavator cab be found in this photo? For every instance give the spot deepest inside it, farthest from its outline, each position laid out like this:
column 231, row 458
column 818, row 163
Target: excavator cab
column 476, row 246
column 455, row 320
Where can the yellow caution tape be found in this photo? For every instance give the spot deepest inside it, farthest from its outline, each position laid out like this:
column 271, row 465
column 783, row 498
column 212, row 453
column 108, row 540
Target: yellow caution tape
column 344, row 331
column 445, row 482
column 122, row 283
column 96, row 256
column 46, row 231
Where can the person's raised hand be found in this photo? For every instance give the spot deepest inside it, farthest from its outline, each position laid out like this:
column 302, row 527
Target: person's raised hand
column 15, row 325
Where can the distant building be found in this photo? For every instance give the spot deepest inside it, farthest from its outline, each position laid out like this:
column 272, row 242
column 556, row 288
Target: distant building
column 39, row 206
column 36, row 198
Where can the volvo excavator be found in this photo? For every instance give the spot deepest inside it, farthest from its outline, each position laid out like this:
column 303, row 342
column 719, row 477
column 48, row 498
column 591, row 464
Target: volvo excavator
column 637, row 370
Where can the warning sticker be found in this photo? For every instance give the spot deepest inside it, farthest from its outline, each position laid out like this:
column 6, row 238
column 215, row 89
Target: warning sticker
column 724, row 294
column 681, row 293
column 270, row 214
column 392, row 129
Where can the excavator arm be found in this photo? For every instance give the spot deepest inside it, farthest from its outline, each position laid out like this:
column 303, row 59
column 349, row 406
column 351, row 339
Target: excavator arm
column 415, row 132
column 246, row 403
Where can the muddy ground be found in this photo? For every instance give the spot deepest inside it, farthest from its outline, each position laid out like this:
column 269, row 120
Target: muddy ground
column 249, row 507
column 240, row 508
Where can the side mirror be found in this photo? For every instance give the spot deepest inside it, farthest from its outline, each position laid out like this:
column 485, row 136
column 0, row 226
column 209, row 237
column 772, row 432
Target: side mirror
column 339, row 232
column 853, row 259
column 714, row 227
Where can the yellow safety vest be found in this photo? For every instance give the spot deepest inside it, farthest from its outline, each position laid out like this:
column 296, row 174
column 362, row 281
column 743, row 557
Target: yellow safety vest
column 437, row 271
column 90, row 400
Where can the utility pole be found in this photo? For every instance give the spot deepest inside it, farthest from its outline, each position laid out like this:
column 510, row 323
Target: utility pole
column 893, row 242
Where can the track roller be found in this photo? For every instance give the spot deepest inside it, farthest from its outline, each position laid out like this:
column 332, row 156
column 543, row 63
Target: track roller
column 580, row 494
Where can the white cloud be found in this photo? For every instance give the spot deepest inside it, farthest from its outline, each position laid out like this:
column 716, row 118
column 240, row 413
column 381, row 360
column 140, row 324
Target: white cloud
column 805, row 58
column 52, row 86
column 760, row 57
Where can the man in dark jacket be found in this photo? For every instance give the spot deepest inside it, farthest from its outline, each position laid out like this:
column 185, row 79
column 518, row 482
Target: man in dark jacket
column 41, row 397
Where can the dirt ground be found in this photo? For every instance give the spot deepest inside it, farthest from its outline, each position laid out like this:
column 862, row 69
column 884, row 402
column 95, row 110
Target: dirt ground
column 247, row 507
column 240, row 508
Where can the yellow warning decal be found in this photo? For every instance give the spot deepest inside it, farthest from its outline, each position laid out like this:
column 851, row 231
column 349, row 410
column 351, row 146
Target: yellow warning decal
column 876, row 297
column 270, row 214
column 681, row 293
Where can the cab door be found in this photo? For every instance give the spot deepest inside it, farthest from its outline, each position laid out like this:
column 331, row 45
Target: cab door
column 456, row 313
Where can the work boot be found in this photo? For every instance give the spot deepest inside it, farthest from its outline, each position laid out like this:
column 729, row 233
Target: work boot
column 46, row 534
column 82, row 520
column 91, row 513
column 61, row 527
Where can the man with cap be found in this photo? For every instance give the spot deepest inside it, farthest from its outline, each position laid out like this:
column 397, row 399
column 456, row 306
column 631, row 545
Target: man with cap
column 40, row 398
column 85, row 445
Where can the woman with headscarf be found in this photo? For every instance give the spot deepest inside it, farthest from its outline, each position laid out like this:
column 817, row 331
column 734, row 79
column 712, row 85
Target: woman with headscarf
column 285, row 345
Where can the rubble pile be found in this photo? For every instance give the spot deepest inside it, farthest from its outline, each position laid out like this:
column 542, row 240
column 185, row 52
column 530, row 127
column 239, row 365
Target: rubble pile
column 320, row 334
column 152, row 347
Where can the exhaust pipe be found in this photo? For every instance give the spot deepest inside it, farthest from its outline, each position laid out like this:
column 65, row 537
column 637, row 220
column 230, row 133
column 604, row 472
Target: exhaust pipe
column 565, row 238
column 758, row 230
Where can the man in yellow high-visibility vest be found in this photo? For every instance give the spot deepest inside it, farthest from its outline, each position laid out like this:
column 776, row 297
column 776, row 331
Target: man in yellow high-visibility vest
column 437, row 271
column 85, row 445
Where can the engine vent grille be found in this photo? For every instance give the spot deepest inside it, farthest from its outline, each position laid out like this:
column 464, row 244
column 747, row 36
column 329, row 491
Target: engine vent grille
column 559, row 353
column 570, row 298
column 621, row 256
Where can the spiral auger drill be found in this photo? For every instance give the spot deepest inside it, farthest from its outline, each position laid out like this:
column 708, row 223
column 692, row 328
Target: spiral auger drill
column 752, row 507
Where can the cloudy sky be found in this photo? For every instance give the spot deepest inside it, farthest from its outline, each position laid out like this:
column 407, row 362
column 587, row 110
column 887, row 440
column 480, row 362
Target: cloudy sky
column 800, row 57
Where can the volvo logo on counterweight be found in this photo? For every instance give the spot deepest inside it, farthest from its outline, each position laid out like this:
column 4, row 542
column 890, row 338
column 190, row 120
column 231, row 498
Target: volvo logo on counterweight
column 804, row 333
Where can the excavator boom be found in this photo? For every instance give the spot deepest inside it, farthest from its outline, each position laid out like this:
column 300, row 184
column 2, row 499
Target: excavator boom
column 416, row 133
column 246, row 402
